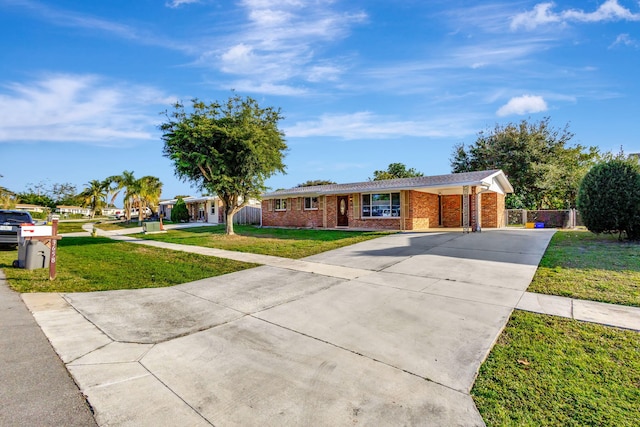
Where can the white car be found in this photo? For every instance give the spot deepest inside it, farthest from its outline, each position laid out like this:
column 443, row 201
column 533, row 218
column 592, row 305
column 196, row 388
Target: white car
column 134, row 213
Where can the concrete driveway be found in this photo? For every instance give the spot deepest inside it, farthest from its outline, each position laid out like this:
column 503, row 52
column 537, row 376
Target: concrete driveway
column 399, row 344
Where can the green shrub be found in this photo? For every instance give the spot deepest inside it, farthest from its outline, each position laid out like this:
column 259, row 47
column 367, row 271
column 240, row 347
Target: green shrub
column 609, row 198
column 180, row 213
column 39, row 215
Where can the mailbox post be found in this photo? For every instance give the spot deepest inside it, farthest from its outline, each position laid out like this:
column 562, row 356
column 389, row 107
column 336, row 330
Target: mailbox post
column 47, row 234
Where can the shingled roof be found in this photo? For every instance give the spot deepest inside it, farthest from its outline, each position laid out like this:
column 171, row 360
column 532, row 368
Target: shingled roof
column 480, row 178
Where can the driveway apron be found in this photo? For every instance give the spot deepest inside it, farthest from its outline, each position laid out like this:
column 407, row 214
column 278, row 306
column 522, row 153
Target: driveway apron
column 398, row 342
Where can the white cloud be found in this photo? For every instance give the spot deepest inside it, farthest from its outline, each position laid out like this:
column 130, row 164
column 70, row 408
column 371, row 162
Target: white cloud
column 68, row 18
column 542, row 14
column 78, row 108
column 282, row 40
column 177, row 3
column 366, row 125
column 525, row 104
column 267, row 88
column 624, row 40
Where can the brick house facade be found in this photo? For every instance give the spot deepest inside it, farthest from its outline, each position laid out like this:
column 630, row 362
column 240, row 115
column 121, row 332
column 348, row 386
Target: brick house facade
column 397, row 204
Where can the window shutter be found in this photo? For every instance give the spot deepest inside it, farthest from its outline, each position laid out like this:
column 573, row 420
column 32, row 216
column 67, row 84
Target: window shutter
column 321, row 202
column 270, row 205
column 356, row 206
column 299, row 203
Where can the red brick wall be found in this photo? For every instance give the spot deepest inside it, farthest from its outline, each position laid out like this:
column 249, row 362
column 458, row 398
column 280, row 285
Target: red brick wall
column 292, row 217
column 422, row 210
column 492, row 210
column 452, row 211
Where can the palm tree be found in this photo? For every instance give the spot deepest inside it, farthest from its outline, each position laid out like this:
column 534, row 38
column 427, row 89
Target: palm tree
column 126, row 182
column 94, row 195
column 149, row 189
column 138, row 193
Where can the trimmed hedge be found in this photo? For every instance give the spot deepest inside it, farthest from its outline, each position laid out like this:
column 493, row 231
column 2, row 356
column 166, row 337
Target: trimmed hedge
column 609, row 198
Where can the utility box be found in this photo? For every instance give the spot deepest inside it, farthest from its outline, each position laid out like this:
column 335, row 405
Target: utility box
column 152, row 227
column 33, row 254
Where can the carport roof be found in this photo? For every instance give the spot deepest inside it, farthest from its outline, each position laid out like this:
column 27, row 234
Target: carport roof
column 494, row 180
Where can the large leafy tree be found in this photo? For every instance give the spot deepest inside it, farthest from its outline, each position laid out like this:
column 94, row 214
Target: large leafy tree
column 544, row 169
column 609, row 198
column 314, row 182
column 32, row 198
column 94, row 195
column 395, row 170
column 7, row 198
column 228, row 148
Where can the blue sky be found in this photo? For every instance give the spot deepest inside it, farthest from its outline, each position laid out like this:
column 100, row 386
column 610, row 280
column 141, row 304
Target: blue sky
column 361, row 83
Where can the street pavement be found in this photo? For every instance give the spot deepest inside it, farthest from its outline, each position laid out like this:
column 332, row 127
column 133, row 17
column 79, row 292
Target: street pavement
column 35, row 387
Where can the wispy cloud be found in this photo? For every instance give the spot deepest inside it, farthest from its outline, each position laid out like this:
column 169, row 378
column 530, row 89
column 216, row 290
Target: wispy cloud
column 67, row 18
column 367, row 125
column 624, row 40
column 177, row 3
column 281, row 41
column 543, row 14
column 525, row 104
column 78, row 108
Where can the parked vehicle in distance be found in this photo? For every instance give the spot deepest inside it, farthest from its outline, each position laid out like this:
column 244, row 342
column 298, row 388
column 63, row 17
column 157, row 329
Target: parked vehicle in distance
column 10, row 223
column 146, row 213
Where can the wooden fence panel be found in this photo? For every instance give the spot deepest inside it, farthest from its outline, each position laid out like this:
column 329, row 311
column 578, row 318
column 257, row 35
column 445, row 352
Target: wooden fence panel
column 249, row 215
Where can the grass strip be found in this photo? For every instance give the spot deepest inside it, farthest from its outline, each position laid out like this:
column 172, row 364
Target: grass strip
column 71, row 227
column 288, row 243
column 583, row 265
column 98, row 264
column 550, row 371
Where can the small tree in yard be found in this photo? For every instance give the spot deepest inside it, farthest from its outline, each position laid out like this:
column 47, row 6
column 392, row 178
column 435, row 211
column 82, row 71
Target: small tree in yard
column 609, row 198
column 228, row 149
column 180, row 213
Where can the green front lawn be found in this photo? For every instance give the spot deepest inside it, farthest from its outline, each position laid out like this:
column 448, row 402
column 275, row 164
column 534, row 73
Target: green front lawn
column 583, row 265
column 71, row 227
column 288, row 243
column 98, row 264
column 550, row 371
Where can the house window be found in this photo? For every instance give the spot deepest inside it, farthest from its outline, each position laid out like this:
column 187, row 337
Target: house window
column 380, row 205
column 310, row 203
column 281, row 204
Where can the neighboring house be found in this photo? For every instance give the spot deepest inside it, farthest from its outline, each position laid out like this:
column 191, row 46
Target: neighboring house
column 201, row 209
column 31, row 208
column 207, row 209
column 395, row 204
column 73, row 210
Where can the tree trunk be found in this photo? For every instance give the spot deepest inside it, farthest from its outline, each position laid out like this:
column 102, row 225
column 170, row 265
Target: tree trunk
column 229, row 223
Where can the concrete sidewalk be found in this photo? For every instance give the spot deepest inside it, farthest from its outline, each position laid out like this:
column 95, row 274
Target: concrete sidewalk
column 389, row 331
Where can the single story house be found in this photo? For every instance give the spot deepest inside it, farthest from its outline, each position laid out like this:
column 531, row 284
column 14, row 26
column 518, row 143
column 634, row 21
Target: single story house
column 469, row 200
column 208, row 209
column 73, row 210
column 31, row 208
column 201, row 209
